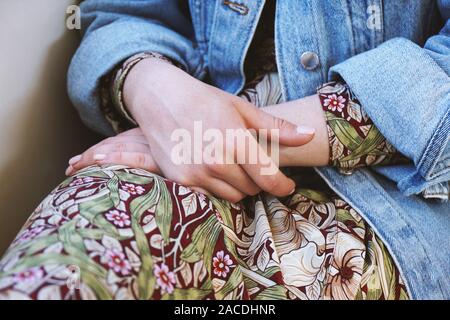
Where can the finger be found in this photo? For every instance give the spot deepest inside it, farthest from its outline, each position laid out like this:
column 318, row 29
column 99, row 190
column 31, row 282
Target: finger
column 223, row 190
column 132, row 132
column 125, row 137
column 289, row 134
column 88, row 158
column 262, row 169
column 235, row 176
column 136, row 160
column 200, row 190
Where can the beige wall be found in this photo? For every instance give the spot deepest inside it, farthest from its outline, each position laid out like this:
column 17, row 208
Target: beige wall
column 39, row 129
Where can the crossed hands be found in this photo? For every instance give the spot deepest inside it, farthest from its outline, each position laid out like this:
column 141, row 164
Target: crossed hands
column 164, row 99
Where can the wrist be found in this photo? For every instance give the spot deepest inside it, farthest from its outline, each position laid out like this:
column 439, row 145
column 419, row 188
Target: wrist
column 140, row 81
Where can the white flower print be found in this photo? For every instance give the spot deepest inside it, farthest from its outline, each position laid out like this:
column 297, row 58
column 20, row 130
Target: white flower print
column 300, row 267
column 346, row 268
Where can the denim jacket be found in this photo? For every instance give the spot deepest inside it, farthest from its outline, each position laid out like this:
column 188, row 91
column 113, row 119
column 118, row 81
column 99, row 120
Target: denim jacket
column 394, row 55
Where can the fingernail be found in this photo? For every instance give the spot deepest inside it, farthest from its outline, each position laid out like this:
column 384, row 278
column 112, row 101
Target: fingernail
column 74, row 160
column 293, row 190
column 69, row 170
column 305, row 130
column 99, row 156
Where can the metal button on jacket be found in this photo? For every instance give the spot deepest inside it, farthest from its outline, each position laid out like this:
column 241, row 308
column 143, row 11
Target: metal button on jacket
column 309, row 60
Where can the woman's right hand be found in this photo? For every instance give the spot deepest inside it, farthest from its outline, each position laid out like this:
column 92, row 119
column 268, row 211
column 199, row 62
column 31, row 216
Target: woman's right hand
column 162, row 98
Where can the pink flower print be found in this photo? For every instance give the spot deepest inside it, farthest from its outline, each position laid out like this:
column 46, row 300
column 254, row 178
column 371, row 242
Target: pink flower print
column 115, row 259
column 133, row 189
column 28, row 276
column 120, row 219
column 30, row 234
column 221, row 264
column 333, row 102
column 164, row 278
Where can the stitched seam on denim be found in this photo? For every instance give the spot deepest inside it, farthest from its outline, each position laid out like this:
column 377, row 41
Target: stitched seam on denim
column 350, row 20
column 388, row 200
column 251, row 34
column 199, row 26
column 376, row 187
column 278, row 50
column 383, row 29
column 213, row 27
column 432, row 153
column 321, row 65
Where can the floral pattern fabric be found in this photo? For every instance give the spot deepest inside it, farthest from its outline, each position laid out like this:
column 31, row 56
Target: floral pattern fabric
column 354, row 140
column 121, row 233
column 129, row 234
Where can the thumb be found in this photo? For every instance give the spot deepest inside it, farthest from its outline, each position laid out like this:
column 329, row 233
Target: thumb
column 289, row 134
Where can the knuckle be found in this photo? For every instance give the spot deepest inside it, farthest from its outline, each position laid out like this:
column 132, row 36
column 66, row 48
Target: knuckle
column 120, row 146
column 254, row 191
column 141, row 160
column 184, row 179
column 271, row 183
column 236, row 197
column 119, row 157
column 109, row 140
column 217, row 169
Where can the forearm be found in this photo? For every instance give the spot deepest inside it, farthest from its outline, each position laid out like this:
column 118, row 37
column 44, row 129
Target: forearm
column 307, row 111
column 345, row 136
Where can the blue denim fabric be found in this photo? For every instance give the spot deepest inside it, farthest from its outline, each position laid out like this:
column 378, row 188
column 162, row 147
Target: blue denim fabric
column 399, row 70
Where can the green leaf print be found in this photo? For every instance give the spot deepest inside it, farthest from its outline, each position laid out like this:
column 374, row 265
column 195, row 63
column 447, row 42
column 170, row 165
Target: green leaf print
column 370, row 143
column 158, row 196
column 344, row 131
column 113, row 187
column 72, row 241
column 316, row 196
column 186, row 294
column 277, row 292
column 199, row 246
column 163, row 213
column 135, row 178
column 224, row 209
column 93, row 211
column 233, row 282
column 146, row 280
column 343, row 215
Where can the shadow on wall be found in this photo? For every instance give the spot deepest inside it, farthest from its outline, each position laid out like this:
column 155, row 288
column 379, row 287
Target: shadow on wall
column 50, row 133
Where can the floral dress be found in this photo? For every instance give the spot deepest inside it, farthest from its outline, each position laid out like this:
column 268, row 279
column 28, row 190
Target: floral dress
column 114, row 232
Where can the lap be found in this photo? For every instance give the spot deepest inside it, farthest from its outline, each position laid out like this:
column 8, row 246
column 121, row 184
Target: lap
column 119, row 233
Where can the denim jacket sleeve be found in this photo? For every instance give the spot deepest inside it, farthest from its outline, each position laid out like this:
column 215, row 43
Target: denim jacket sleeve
column 115, row 30
column 405, row 89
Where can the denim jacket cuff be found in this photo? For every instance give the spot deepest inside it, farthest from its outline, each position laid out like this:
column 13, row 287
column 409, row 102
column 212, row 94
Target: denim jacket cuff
column 137, row 35
column 407, row 95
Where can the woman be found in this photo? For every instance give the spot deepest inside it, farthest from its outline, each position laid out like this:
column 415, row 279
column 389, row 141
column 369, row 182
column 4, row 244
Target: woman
column 365, row 223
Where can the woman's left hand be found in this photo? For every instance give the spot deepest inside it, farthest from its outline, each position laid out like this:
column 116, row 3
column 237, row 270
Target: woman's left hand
column 129, row 148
